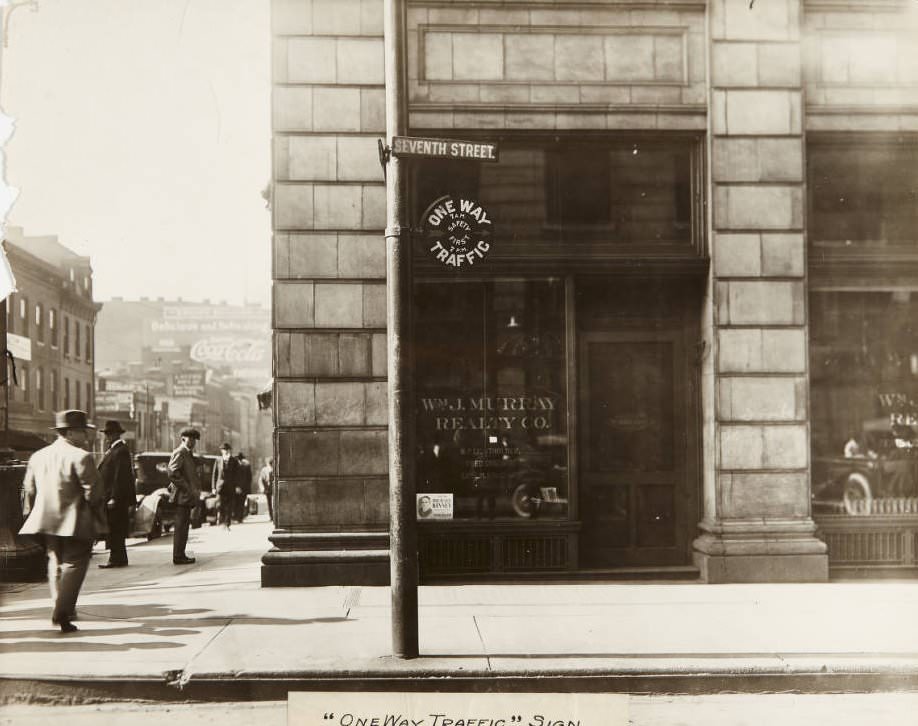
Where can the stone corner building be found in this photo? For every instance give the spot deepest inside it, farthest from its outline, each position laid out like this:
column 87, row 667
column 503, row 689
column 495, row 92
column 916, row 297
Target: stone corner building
column 689, row 350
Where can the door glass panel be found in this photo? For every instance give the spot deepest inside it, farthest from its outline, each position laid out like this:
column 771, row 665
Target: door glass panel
column 631, row 411
column 606, row 515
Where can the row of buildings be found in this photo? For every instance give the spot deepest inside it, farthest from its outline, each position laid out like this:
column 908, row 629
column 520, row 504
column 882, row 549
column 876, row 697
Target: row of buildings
column 663, row 310
column 156, row 366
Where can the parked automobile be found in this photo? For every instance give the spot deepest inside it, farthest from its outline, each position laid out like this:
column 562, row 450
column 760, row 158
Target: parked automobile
column 154, row 514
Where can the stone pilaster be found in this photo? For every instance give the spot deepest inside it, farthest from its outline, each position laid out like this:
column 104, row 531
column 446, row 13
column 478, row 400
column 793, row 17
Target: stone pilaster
column 757, row 525
column 330, row 409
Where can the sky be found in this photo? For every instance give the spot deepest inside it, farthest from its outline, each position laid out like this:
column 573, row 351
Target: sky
column 141, row 137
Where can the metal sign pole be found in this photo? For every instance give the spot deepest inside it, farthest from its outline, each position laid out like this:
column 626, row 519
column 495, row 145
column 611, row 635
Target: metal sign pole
column 402, row 524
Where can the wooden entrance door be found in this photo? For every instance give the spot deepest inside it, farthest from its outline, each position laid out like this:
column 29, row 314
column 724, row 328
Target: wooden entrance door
column 636, row 493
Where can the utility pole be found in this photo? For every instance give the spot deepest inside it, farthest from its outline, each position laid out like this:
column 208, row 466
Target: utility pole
column 403, row 548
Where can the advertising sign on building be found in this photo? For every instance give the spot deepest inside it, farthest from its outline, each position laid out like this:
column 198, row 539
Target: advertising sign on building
column 114, row 400
column 189, row 384
column 19, row 346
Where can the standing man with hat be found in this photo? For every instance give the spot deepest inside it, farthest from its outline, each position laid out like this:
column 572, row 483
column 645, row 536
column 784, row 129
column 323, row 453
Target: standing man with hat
column 224, row 483
column 64, row 500
column 117, row 474
column 186, row 491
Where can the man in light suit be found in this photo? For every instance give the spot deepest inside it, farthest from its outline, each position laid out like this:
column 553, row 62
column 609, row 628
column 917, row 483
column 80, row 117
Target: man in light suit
column 183, row 474
column 64, row 500
column 117, row 474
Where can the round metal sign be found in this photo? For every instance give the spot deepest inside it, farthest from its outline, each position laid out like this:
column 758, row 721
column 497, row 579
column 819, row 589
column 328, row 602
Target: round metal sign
column 458, row 231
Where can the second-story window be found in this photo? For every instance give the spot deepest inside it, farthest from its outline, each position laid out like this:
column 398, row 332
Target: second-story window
column 52, row 384
column 40, row 388
column 66, row 393
column 39, row 323
column 76, row 340
column 24, row 381
column 88, row 344
column 66, row 336
column 76, row 394
column 24, row 316
column 52, row 326
column 89, row 398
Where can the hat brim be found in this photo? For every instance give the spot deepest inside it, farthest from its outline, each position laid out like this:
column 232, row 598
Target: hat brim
column 61, row 428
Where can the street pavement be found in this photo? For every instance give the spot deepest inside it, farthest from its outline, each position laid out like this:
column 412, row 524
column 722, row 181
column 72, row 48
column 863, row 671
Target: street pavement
column 155, row 630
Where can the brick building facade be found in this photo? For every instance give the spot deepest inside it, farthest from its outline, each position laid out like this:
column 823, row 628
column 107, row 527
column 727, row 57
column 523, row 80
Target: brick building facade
column 680, row 183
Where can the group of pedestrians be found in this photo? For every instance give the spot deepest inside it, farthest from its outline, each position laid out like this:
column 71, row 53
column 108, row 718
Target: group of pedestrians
column 69, row 503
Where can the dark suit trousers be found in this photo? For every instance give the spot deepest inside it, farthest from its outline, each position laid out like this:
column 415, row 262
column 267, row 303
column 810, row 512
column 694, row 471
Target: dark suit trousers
column 118, row 526
column 68, row 559
column 180, row 532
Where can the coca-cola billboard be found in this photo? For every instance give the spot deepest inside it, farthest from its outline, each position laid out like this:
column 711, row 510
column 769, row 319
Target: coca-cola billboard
column 230, row 351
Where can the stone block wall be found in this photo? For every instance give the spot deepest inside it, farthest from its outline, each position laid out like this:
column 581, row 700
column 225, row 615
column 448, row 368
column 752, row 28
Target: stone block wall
column 757, row 521
column 329, row 276
column 526, row 65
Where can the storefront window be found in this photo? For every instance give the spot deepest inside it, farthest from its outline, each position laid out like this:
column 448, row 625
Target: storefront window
column 491, row 399
column 864, row 391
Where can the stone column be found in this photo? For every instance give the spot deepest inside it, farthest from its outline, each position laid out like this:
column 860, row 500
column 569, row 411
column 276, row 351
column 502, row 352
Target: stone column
column 329, row 295
column 757, row 524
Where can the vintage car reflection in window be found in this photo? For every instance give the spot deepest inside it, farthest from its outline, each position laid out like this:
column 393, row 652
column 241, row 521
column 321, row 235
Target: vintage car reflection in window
column 491, row 405
column 864, row 401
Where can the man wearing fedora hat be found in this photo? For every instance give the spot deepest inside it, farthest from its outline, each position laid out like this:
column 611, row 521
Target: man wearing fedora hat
column 183, row 475
column 117, row 474
column 64, row 500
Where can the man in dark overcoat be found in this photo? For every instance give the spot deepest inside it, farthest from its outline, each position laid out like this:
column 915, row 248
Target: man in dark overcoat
column 185, row 492
column 117, row 474
column 243, row 486
column 224, row 483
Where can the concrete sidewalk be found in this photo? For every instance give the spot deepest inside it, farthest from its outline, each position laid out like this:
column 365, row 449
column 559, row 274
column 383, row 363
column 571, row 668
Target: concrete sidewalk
column 209, row 630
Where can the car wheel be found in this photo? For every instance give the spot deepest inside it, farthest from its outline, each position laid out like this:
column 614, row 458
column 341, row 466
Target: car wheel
column 521, row 501
column 858, row 498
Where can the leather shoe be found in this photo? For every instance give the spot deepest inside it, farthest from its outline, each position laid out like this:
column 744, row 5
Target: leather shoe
column 65, row 625
column 184, row 561
column 108, row 565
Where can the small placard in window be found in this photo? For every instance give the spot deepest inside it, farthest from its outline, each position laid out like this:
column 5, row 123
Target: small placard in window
column 435, row 506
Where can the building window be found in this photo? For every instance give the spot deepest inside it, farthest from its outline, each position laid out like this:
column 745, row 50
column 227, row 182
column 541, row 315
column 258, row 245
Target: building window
column 89, row 398
column 863, row 337
column 76, row 340
column 66, row 336
column 574, row 193
column 24, row 316
column 24, row 382
column 88, row 344
column 52, row 325
column 491, row 401
column 52, row 383
column 76, row 394
column 66, row 393
column 40, row 388
column 39, row 323
column 864, row 195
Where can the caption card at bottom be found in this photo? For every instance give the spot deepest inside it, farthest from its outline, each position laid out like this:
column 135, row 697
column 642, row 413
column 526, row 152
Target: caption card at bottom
column 456, row 709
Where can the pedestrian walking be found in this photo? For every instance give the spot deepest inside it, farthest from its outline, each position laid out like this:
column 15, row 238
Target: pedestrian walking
column 243, row 486
column 117, row 474
column 224, row 483
column 64, row 502
column 185, row 491
column 266, row 479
